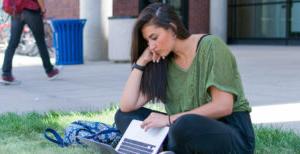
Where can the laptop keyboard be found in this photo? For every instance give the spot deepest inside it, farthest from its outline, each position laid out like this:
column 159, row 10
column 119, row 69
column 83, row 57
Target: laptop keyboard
column 129, row 146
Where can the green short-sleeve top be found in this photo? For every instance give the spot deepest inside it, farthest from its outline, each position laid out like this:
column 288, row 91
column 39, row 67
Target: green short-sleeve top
column 213, row 65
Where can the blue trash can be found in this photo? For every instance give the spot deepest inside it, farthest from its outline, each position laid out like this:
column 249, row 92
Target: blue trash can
column 68, row 40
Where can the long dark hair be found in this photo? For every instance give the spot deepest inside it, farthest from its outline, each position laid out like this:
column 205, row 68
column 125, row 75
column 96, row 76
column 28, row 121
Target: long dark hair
column 154, row 79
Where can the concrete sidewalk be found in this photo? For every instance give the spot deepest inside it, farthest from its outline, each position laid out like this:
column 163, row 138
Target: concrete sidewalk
column 270, row 75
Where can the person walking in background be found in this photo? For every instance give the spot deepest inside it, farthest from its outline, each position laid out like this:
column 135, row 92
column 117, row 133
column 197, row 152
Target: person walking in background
column 197, row 79
column 32, row 14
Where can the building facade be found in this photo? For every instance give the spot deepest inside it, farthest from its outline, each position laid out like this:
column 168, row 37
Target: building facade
column 62, row 8
column 266, row 22
column 246, row 21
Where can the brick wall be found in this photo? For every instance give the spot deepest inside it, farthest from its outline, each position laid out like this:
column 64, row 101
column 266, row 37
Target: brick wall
column 62, row 8
column 125, row 7
column 199, row 16
column 198, row 13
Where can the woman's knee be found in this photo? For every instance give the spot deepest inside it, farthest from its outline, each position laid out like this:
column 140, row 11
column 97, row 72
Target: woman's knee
column 186, row 121
column 123, row 119
column 194, row 130
column 185, row 127
column 178, row 129
column 139, row 114
column 118, row 115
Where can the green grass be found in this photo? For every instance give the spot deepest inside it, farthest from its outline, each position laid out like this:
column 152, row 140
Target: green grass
column 275, row 140
column 23, row 134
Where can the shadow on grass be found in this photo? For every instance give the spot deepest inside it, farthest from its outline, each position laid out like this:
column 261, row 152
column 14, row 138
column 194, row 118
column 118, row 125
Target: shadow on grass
column 26, row 125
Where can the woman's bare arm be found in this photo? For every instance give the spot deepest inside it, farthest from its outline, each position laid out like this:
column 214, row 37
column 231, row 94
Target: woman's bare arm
column 132, row 98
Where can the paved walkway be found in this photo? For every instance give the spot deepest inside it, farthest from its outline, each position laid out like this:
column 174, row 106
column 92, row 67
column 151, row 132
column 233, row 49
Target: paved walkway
column 271, row 77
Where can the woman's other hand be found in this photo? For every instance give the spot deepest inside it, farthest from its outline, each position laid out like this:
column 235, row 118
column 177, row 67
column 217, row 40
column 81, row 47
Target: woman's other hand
column 155, row 120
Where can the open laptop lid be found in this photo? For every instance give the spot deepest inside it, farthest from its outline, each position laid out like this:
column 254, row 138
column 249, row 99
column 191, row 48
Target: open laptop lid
column 137, row 140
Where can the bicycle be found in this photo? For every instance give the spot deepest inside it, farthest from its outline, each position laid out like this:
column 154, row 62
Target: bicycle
column 4, row 29
column 27, row 45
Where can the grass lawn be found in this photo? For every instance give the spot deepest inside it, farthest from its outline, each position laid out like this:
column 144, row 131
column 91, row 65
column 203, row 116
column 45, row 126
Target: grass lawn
column 23, row 134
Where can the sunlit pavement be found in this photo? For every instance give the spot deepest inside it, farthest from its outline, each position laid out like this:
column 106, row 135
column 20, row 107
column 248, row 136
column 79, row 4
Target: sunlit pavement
column 285, row 116
column 271, row 77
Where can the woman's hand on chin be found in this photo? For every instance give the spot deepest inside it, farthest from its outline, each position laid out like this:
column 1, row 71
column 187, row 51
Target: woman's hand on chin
column 149, row 56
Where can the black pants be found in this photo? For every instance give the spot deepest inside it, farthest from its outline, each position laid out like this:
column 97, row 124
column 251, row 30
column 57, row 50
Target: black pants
column 193, row 134
column 34, row 21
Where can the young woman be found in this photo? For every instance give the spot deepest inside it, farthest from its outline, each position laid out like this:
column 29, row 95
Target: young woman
column 197, row 79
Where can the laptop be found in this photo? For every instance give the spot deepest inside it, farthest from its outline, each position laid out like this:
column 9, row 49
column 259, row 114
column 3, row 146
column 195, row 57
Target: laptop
column 134, row 140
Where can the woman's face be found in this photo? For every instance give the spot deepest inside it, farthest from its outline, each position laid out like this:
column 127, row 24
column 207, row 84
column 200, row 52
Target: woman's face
column 160, row 41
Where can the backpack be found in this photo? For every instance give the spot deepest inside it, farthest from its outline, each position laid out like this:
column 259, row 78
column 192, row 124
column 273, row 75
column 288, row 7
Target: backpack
column 13, row 7
column 96, row 131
